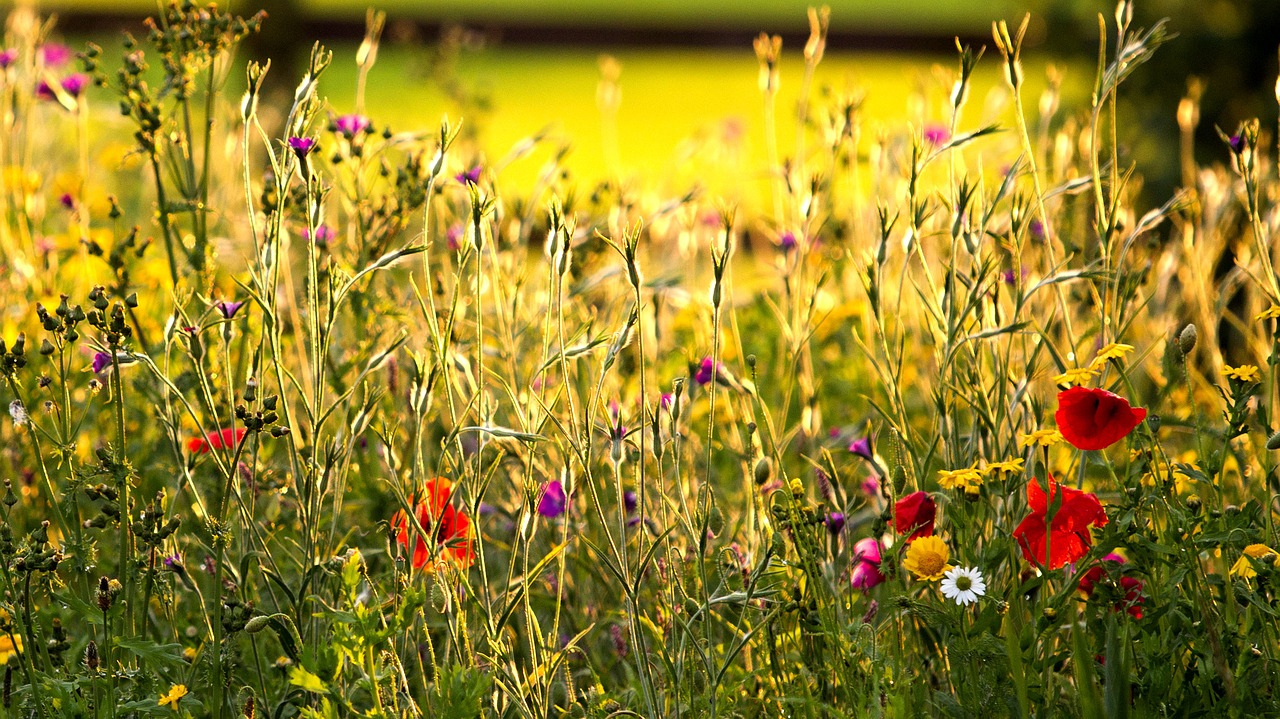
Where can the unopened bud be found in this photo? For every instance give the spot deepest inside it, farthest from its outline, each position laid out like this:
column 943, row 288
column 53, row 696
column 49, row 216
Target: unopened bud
column 1273, row 442
column 1187, row 339
column 257, row 624
column 763, row 471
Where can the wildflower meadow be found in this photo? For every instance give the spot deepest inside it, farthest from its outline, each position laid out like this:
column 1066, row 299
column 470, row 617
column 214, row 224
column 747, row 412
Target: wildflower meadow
column 313, row 416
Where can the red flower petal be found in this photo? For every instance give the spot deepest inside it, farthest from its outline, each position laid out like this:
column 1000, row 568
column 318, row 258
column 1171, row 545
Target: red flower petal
column 1091, row 418
column 447, row 527
column 222, row 439
column 1066, row 539
column 914, row 514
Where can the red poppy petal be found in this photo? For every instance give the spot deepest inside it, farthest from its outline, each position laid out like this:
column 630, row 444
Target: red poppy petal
column 1091, row 418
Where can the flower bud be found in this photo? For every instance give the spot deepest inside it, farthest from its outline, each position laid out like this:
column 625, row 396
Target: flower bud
column 1187, row 339
column 1273, row 442
column 257, row 624
column 763, row 471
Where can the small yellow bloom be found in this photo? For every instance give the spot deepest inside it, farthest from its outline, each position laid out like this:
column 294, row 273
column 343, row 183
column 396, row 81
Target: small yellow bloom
column 1040, row 437
column 967, row 479
column 1115, row 351
column 9, row 646
column 175, row 695
column 927, row 558
column 1012, row 466
column 1243, row 568
column 1243, row 373
column 1270, row 313
column 1079, row 375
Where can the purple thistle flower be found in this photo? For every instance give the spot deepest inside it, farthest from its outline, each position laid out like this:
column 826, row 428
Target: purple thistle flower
column 936, row 134
column 101, row 361
column 1037, row 229
column 666, row 400
column 302, row 146
column 54, row 54
column 1236, row 143
column 229, row 309
column 351, row 125
column 835, row 523
column 173, row 563
column 553, row 499
column 862, row 447
column 629, row 501
column 469, row 177
column 708, row 370
column 8, row 57
column 75, row 84
column 788, row 241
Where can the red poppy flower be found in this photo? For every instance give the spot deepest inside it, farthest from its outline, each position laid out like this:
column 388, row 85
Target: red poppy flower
column 1066, row 539
column 222, row 439
column 449, row 528
column 914, row 514
column 1128, row 586
column 1095, row 418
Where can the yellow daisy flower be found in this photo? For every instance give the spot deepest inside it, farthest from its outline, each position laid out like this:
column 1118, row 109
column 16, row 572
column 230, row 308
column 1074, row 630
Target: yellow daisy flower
column 9, row 646
column 1243, row 568
column 927, row 558
column 1012, row 466
column 1115, row 351
column 1243, row 373
column 175, row 695
column 1040, row 437
column 967, row 479
column 1270, row 313
column 1079, row 375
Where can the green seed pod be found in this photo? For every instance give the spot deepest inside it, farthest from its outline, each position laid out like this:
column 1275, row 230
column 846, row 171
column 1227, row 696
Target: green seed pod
column 763, row 471
column 1187, row 339
column 257, row 624
column 1273, row 442
column 715, row 520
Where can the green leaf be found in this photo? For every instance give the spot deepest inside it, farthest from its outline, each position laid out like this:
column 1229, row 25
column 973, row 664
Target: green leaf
column 300, row 677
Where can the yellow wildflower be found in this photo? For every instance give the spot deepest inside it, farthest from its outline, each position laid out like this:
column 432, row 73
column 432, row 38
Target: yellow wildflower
column 1115, row 351
column 1243, row 373
column 1270, row 313
column 1040, row 437
column 1012, row 466
column 967, row 479
column 10, row 645
column 927, row 558
column 1243, row 568
column 175, row 695
column 1079, row 375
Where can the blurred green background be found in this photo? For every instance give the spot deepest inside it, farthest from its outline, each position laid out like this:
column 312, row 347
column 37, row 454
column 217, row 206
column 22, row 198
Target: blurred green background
column 689, row 77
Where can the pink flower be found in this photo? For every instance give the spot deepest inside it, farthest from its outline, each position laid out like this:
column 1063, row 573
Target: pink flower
column 866, row 564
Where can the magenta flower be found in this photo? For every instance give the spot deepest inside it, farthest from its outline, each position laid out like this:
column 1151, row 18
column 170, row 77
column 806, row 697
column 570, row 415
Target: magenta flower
column 1236, row 143
column 469, row 177
column 101, row 361
column 229, row 309
column 708, row 370
column 302, row 146
column 323, row 235
column 553, row 499
column 862, row 447
column 454, row 236
column 866, row 564
column 54, row 54
column 629, row 501
column 788, row 241
column 351, row 125
column 8, row 57
column 936, row 134
column 67, row 201
column 871, row 485
column 73, row 85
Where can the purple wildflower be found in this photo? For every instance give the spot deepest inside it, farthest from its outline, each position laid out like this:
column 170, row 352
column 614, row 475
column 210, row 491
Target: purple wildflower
column 1236, row 142
column 469, row 177
column 302, row 146
column 229, row 309
column 835, row 523
column 1037, row 229
column 454, row 236
column 351, row 125
column 54, row 54
column 553, row 499
column 619, row 640
column 788, row 241
column 101, row 361
column 629, row 500
column 936, row 134
column 871, row 485
column 666, row 400
column 862, row 447
column 67, row 201
column 72, row 85
column 323, row 235
column 8, row 57
column 708, row 370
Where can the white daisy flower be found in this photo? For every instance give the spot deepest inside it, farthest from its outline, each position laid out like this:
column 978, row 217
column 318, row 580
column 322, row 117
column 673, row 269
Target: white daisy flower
column 963, row 584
